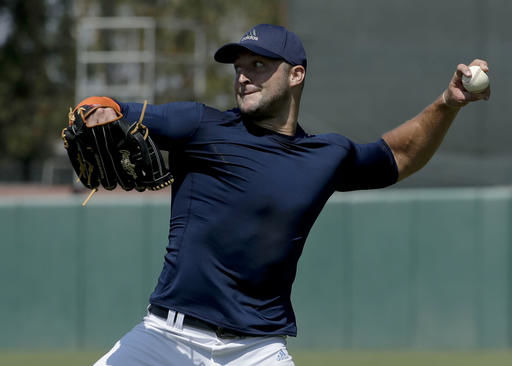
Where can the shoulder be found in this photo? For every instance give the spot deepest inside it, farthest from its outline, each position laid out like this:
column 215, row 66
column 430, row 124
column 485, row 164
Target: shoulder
column 211, row 114
column 334, row 139
column 354, row 151
column 348, row 144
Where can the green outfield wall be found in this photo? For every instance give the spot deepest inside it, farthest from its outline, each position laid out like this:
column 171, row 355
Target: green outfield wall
column 408, row 269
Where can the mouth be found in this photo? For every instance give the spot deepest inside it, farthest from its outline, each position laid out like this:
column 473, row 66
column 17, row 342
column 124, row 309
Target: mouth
column 250, row 91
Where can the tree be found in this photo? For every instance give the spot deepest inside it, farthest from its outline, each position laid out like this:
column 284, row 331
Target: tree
column 38, row 58
column 37, row 73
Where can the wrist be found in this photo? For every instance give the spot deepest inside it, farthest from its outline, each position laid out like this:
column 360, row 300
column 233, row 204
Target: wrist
column 446, row 103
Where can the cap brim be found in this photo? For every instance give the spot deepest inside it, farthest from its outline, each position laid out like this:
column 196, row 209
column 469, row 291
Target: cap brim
column 227, row 54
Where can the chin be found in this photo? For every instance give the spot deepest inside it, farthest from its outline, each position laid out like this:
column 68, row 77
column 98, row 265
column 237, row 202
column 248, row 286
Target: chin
column 256, row 114
column 248, row 108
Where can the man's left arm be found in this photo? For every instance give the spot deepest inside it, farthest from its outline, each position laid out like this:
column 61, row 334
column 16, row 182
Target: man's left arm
column 414, row 142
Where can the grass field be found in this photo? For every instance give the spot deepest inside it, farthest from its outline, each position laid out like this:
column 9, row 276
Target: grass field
column 302, row 358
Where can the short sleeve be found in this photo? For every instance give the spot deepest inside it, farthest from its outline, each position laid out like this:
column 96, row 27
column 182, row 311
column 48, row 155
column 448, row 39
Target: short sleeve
column 367, row 166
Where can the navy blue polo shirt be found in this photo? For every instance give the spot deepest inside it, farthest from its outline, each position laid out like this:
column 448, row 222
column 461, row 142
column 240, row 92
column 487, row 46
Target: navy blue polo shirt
column 243, row 203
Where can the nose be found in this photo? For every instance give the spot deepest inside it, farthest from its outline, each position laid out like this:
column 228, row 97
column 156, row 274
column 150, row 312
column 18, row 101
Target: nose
column 243, row 78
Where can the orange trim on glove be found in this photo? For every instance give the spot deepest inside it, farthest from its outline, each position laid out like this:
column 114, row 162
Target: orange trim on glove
column 95, row 103
column 103, row 101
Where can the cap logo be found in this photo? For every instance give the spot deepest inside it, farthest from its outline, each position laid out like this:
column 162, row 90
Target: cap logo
column 251, row 35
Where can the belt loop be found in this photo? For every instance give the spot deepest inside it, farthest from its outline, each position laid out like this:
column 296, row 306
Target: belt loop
column 179, row 321
column 171, row 316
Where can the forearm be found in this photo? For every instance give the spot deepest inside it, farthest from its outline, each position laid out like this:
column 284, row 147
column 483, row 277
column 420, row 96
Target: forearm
column 173, row 121
column 414, row 142
column 167, row 123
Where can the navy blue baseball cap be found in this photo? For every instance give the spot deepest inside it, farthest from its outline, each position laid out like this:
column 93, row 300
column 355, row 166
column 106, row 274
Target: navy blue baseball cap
column 267, row 40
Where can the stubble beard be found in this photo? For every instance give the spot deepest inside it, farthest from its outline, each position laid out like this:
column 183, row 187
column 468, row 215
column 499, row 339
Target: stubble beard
column 267, row 108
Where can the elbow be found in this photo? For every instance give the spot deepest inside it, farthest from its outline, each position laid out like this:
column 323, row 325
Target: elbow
column 407, row 166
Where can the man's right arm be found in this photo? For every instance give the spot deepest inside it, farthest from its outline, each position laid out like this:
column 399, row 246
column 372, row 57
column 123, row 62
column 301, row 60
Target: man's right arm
column 175, row 122
column 172, row 121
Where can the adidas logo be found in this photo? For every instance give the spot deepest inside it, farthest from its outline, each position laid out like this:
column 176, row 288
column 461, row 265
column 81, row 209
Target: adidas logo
column 283, row 355
column 251, row 35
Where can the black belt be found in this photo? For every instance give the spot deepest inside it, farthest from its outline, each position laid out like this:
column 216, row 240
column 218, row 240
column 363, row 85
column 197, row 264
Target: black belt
column 190, row 321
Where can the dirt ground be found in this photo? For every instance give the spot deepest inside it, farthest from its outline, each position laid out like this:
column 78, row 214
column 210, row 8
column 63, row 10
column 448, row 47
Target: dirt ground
column 12, row 190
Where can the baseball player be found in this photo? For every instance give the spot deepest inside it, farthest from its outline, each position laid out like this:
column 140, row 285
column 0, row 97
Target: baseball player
column 249, row 184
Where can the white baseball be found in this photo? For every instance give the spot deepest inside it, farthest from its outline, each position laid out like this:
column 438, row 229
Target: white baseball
column 478, row 82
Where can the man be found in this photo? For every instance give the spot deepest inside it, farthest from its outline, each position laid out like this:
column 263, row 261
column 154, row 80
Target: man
column 249, row 185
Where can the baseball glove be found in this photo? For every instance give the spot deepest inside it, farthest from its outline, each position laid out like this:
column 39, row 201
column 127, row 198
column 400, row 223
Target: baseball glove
column 115, row 152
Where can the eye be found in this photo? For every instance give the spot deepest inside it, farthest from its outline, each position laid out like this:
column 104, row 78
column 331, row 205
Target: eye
column 258, row 64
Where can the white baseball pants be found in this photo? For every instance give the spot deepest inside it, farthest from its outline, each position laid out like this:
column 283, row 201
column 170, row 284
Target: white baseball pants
column 159, row 342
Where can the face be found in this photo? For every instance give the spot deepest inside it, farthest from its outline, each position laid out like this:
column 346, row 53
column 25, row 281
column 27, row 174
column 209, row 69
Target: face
column 262, row 86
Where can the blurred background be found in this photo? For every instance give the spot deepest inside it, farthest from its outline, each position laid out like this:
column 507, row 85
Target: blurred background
column 424, row 266
column 53, row 53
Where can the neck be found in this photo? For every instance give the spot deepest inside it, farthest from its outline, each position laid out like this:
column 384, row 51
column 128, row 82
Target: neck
column 284, row 123
column 284, row 127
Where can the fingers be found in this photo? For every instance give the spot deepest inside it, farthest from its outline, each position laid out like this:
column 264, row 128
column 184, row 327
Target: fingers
column 457, row 94
column 101, row 116
column 464, row 69
column 482, row 63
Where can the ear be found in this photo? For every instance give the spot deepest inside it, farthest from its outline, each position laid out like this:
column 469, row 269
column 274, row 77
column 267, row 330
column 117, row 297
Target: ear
column 297, row 75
